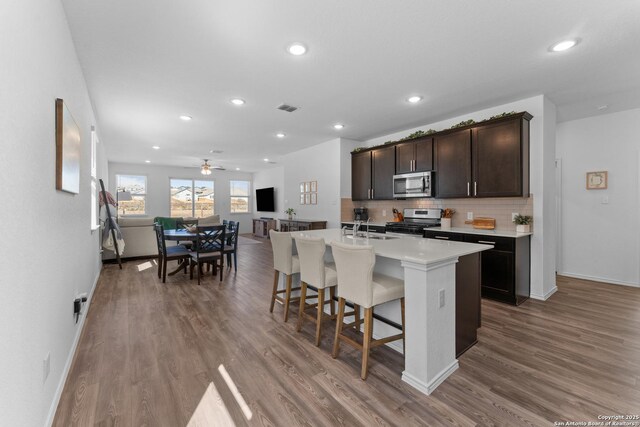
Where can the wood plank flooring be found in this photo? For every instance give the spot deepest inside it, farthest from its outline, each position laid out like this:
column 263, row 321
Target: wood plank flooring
column 150, row 351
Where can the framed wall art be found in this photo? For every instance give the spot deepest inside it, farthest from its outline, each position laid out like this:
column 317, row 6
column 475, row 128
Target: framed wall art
column 314, row 198
column 597, row 180
column 67, row 150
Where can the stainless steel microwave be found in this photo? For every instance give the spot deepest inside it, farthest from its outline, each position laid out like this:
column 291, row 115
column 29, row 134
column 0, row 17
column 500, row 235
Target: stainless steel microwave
column 419, row 184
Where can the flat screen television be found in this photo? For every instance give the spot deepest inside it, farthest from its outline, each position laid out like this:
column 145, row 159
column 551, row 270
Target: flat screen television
column 265, row 200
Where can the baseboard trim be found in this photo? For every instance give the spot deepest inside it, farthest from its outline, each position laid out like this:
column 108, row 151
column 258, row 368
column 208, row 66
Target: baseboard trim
column 72, row 353
column 545, row 296
column 428, row 388
column 599, row 279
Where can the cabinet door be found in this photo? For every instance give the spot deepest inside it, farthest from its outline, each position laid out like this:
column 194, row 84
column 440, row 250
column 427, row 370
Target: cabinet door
column 384, row 166
column 453, row 164
column 497, row 160
column 405, row 155
column 424, row 155
column 498, row 271
column 361, row 175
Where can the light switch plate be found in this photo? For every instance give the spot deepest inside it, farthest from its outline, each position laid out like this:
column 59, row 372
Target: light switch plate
column 384, row 212
column 441, row 294
column 46, row 367
column 469, row 216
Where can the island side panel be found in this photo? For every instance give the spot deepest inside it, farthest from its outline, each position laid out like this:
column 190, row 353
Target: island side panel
column 430, row 328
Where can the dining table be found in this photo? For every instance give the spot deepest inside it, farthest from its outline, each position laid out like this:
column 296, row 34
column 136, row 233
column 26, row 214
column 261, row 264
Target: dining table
column 180, row 236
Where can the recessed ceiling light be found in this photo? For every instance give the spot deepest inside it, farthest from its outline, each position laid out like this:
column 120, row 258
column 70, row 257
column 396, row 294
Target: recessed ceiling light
column 147, row 161
column 564, row 45
column 237, row 101
column 185, row 118
column 338, row 126
column 414, row 99
column 297, row 49
column 281, row 134
column 156, row 147
column 266, row 160
column 237, row 169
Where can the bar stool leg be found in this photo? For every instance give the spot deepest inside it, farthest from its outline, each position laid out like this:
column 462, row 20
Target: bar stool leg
column 332, row 295
column 356, row 310
column 303, row 298
column 276, row 276
column 287, row 298
column 366, row 341
column 320, row 312
column 336, row 341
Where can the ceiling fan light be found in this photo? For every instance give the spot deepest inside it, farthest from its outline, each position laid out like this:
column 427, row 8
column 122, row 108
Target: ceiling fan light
column 205, row 169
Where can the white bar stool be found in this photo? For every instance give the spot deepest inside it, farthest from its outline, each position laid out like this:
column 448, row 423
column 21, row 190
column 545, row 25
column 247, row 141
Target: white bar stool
column 286, row 263
column 359, row 284
column 315, row 273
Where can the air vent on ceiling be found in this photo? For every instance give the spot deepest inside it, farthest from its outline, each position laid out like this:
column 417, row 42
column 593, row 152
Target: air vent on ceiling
column 272, row 163
column 215, row 151
column 287, row 108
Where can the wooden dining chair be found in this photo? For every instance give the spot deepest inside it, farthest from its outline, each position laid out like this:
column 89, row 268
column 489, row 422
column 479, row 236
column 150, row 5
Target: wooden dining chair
column 186, row 224
column 209, row 249
column 165, row 254
column 231, row 247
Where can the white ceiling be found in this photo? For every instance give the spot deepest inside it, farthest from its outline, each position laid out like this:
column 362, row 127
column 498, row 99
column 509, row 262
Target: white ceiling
column 148, row 61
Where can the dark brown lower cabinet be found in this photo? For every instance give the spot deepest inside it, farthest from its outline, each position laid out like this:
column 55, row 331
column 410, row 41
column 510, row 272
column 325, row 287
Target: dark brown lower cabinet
column 505, row 269
column 301, row 225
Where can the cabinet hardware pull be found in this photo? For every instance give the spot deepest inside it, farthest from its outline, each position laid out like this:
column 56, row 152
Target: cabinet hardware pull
column 441, row 237
column 487, row 242
column 372, row 193
column 468, row 190
column 413, row 165
column 475, row 188
column 369, row 193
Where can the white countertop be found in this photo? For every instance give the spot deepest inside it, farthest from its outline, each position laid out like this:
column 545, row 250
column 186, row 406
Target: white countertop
column 421, row 251
column 479, row 231
column 364, row 224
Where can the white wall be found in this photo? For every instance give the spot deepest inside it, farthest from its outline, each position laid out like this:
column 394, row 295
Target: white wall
column 158, row 202
column 270, row 178
column 542, row 151
column 48, row 253
column 601, row 241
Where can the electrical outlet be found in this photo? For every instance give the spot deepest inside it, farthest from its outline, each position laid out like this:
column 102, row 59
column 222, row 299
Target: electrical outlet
column 46, row 367
column 513, row 216
column 469, row 216
column 441, row 294
column 605, row 200
column 384, row 212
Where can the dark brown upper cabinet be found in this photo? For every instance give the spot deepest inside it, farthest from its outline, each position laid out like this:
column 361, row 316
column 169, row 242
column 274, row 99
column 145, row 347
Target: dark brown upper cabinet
column 484, row 160
column 361, row 176
column 501, row 158
column 415, row 156
column 453, row 164
column 372, row 174
column 384, row 166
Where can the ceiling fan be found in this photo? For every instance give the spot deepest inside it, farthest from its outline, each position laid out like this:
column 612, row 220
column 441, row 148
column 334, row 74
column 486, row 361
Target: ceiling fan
column 206, row 168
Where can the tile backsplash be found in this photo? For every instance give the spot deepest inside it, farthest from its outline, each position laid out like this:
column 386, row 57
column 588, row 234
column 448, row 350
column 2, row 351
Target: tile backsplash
column 499, row 208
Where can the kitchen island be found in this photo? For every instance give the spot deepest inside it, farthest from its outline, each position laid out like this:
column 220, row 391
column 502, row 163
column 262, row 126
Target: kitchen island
column 428, row 268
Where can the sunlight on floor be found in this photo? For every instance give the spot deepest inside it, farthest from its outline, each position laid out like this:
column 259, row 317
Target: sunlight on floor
column 211, row 410
column 146, row 265
column 234, row 390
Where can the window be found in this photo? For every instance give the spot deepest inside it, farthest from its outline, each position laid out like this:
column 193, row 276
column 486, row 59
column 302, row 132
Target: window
column 136, row 188
column 95, row 223
column 239, row 196
column 192, row 198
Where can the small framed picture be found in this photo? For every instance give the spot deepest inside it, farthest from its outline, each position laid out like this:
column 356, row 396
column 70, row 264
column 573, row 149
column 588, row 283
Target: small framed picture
column 314, row 198
column 306, row 187
column 302, row 198
column 597, row 180
column 307, row 199
column 314, row 186
column 302, row 187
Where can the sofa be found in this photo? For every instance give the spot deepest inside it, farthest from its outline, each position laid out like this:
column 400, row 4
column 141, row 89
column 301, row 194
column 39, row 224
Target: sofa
column 140, row 237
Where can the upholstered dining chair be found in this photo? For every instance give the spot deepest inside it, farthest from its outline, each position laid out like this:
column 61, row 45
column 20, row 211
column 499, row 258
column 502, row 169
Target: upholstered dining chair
column 165, row 254
column 286, row 263
column 316, row 274
column 209, row 249
column 358, row 283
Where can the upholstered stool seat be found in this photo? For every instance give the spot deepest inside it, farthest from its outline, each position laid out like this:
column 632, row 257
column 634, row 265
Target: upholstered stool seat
column 316, row 274
column 286, row 263
column 359, row 284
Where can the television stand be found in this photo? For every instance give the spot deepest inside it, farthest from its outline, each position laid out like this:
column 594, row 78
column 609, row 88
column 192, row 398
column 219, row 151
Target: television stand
column 262, row 226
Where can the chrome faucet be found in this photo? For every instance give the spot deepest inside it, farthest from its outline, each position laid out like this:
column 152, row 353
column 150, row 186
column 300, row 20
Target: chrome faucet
column 356, row 227
column 368, row 219
column 344, row 230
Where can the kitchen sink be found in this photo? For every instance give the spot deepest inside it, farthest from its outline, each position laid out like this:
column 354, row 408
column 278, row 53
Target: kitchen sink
column 371, row 236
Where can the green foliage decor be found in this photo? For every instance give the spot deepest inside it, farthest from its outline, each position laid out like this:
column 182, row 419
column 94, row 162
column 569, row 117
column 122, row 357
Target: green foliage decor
column 522, row 219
